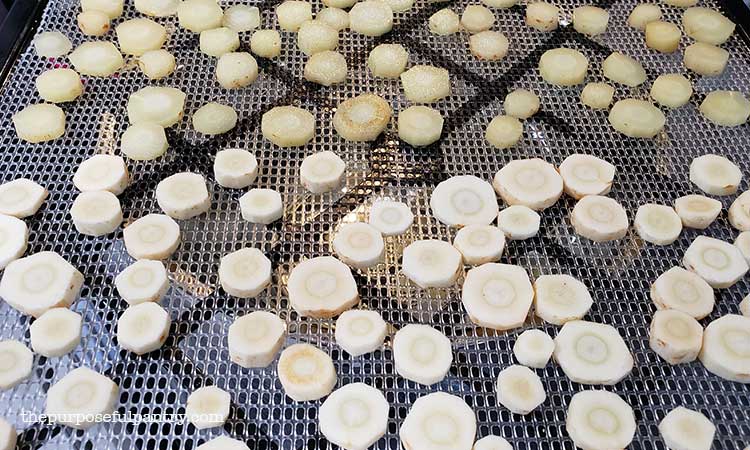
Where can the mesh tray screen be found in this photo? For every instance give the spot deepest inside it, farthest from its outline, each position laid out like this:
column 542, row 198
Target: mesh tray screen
column 618, row 274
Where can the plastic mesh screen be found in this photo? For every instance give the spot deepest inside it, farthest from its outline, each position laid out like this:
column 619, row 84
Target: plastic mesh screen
column 618, row 274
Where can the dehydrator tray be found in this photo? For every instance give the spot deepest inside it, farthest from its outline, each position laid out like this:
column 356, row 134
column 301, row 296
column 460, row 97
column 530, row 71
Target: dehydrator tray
column 618, row 274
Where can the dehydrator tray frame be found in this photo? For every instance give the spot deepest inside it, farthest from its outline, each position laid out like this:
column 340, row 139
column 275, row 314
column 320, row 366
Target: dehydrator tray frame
column 618, row 274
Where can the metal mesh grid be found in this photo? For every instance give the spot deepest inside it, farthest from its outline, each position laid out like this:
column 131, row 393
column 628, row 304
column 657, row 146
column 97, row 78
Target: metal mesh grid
column 618, row 274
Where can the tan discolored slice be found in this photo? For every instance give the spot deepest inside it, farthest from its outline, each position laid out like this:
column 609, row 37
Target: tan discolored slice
column 306, row 372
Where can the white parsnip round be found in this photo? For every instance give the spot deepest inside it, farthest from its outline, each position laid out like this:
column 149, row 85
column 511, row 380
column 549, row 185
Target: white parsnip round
column 326, row 68
column 476, row 18
column 97, row 59
column 439, row 420
column 371, row 18
column 137, row 36
column 336, row 18
column 288, row 126
column 590, row 20
column 623, row 69
column 715, row 174
column 529, row 182
column 598, row 419
column 542, row 16
column 96, row 213
column 388, row 60
column 672, row 90
column 739, row 212
column 599, row 218
column 93, row 23
column 39, row 123
column 157, row 8
column 157, row 64
column 316, row 36
column 241, row 18
column 306, row 372
column 698, row 211
column 160, row 105
column 266, row 43
column 214, row 118
column 521, row 104
column 444, row 22
column 52, row 44
column 684, row 291
column 199, row 15
column 657, row 224
column 726, row 108
column 235, row 168
column 464, row 200
column 643, row 14
column 707, row 25
column 59, row 85
column 489, row 45
column 426, row 84
column 663, row 36
column 584, row 175
column 218, row 41
column 504, row 131
column 686, row 429
column 113, row 8
column 144, row 141
column 480, row 244
column 636, row 118
column 563, row 66
column 597, row 95
column 236, row 70
column 706, row 59
column 420, row 125
column 291, row 14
